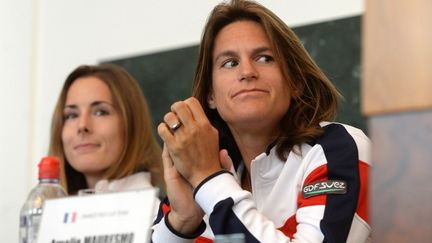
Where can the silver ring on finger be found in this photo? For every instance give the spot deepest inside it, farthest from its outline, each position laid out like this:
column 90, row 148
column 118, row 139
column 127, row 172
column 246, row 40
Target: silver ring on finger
column 175, row 126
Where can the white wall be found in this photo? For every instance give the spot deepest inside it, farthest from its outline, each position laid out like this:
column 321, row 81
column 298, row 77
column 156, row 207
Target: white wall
column 37, row 53
column 15, row 111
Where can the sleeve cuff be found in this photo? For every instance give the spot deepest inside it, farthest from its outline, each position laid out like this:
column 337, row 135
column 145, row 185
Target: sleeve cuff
column 218, row 187
column 209, row 178
column 201, row 228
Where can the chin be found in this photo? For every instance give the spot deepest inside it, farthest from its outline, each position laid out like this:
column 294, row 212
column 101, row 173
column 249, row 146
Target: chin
column 85, row 166
column 92, row 171
column 252, row 115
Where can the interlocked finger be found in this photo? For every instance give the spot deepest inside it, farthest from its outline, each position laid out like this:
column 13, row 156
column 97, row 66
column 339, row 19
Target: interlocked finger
column 172, row 122
column 175, row 126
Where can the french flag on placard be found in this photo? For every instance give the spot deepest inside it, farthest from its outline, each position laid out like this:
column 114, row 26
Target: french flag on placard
column 69, row 217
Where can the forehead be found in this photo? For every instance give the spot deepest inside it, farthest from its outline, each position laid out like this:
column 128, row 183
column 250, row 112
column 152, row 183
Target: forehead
column 242, row 33
column 88, row 89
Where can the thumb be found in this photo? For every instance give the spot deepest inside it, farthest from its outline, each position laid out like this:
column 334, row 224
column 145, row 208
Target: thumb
column 225, row 160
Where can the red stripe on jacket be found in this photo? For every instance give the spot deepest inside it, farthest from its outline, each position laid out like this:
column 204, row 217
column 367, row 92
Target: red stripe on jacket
column 319, row 174
column 363, row 203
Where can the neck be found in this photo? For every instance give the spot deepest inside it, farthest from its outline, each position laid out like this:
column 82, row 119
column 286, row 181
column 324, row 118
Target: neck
column 252, row 144
column 92, row 180
column 246, row 181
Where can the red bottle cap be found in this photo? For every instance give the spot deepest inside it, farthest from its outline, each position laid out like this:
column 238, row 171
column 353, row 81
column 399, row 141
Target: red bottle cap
column 49, row 168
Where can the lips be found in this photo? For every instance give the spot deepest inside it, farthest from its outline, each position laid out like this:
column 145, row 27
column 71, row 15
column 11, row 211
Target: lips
column 245, row 91
column 86, row 147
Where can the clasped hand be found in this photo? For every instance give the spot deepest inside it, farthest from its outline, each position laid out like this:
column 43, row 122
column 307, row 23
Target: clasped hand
column 193, row 147
column 190, row 154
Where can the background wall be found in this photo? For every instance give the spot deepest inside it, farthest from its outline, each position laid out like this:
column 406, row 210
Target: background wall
column 335, row 45
column 41, row 41
column 16, row 58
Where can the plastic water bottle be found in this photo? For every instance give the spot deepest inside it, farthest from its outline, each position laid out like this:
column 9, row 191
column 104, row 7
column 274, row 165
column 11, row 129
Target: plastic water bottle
column 230, row 238
column 48, row 187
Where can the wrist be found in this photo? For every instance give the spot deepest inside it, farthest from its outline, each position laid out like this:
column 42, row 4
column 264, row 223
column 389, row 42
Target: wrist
column 198, row 178
column 208, row 178
column 184, row 227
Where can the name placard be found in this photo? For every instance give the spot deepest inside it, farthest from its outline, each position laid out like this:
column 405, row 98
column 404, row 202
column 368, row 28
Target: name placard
column 124, row 217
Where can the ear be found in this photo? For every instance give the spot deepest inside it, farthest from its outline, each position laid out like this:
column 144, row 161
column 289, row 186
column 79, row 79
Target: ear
column 210, row 100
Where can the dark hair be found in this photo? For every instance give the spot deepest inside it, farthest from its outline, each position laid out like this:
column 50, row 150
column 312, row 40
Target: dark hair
column 141, row 152
column 314, row 99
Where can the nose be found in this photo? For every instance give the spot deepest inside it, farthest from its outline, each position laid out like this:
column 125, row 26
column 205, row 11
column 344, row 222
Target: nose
column 84, row 124
column 248, row 71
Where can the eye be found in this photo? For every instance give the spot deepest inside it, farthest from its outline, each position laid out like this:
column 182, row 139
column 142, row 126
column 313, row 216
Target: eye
column 230, row 63
column 265, row 59
column 70, row 115
column 101, row 112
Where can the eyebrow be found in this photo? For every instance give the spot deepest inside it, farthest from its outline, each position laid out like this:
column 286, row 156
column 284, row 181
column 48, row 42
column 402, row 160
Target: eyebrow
column 93, row 104
column 230, row 53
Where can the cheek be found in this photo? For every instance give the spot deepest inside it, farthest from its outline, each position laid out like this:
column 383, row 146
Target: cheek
column 66, row 139
column 116, row 139
column 215, row 100
column 220, row 91
column 285, row 97
column 283, row 87
column 115, row 150
column 65, row 135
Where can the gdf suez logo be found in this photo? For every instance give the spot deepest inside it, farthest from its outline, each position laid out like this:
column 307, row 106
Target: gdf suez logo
column 69, row 218
column 324, row 187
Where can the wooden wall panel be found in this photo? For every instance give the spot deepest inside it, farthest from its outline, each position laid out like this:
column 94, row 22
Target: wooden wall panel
column 397, row 56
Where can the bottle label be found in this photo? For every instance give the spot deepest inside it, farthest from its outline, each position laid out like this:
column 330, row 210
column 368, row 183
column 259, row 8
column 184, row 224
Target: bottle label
column 29, row 227
column 34, row 228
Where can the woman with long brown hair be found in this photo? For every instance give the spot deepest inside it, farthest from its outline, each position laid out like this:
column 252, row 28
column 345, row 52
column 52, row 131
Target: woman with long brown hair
column 102, row 132
column 256, row 153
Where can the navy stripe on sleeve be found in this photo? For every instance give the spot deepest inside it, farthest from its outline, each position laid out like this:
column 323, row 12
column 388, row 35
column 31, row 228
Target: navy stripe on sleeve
column 160, row 213
column 223, row 221
column 342, row 164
